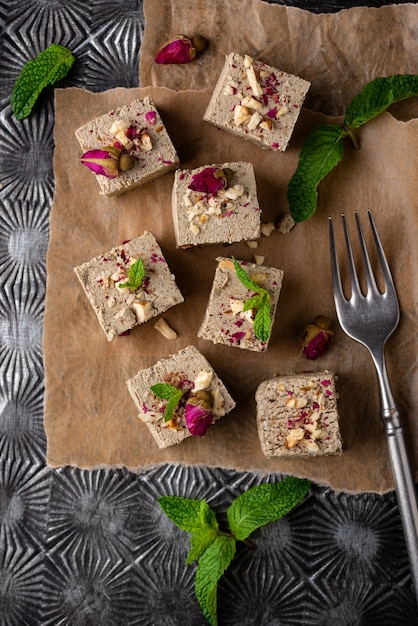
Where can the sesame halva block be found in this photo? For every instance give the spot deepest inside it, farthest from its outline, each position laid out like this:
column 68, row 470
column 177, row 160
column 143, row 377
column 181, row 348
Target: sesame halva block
column 191, row 372
column 205, row 214
column 120, row 308
column 256, row 101
column 297, row 415
column 225, row 321
column 138, row 131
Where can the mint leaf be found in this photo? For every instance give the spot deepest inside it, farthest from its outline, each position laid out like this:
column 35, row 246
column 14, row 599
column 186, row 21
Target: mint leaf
column 188, row 514
column 50, row 66
column 263, row 504
column 212, row 564
column 262, row 320
column 200, row 542
column 377, row 96
column 172, row 394
column 244, row 278
column 260, row 302
column 322, row 150
column 254, row 302
column 136, row 275
column 194, row 516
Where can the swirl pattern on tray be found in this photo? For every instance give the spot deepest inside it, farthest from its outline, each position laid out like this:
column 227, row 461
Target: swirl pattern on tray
column 93, row 547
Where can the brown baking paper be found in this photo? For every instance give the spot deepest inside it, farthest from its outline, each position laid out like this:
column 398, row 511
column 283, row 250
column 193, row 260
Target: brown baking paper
column 338, row 52
column 91, row 420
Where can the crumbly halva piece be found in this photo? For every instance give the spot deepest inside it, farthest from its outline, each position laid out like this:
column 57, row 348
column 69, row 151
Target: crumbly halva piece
column 256, row 101
column 188, row 370
column 138, row 130
column 297, row 415
column 120, row 308
column 225, row 215
column 225, row 321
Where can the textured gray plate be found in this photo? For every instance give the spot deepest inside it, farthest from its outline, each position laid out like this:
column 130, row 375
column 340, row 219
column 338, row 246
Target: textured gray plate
column 93, row 548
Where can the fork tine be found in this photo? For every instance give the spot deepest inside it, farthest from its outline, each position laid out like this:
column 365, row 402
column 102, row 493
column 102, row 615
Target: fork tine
column 370, row 279
column 335, row 272
column 387, row 275
column 355, row 286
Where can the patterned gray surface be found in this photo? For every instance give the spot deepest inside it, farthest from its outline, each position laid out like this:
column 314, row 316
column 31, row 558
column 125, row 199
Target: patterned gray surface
column 93, row 548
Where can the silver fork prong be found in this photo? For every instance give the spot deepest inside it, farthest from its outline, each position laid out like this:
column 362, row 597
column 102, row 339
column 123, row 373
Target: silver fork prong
column 370, row 279
column 355, row 286
column 387, row 275
column 335, row 272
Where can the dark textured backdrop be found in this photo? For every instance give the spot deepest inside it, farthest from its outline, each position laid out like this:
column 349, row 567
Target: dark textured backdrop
column 93, row 548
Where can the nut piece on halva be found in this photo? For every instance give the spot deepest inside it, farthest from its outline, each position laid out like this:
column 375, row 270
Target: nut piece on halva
column 226, row 321
column 297, row 415
column 189, row 371
column 215, row 204
column 133, row 134
column 129, row 285
column 256, row 101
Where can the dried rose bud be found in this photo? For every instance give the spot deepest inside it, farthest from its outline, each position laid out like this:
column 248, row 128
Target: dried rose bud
column 316, row 338
column 198, row 413
column 181, row 49
column 108, row 161
column 209, row 180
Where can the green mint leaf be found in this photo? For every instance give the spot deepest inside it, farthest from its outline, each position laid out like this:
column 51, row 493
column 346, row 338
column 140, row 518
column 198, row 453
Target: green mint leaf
column 260, row 302
column 254, row 302
column 136, row 275
column 322, row 150
column 188, row 514
column 212, row 564
column 244, row 278
column 263, row 504
column 262, row 320
column 50, row 66
column 377, row 96
column 172, row 394
column 194, row 516
column 200, row 542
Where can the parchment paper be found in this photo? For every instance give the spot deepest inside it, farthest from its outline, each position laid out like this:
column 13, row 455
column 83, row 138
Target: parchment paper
column 90, row 418
column 338, row 52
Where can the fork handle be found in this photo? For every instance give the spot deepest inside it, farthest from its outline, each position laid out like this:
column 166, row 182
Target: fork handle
column 404, row 486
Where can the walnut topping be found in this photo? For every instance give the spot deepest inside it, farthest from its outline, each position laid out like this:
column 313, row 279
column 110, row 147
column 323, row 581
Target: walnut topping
column 253, row 81
column 142, row 310
column 293, row 438
column 119, row 130
column 226, row 264
column 254, row 121
column 144, row 142
column 296, row 403
column 251, row 103
column 241, row 115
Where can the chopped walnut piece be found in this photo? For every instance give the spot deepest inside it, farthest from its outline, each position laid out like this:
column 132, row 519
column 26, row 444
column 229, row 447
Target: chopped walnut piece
column 294, row 436
column 267, row 229
column 162, row 326
column 241, row 115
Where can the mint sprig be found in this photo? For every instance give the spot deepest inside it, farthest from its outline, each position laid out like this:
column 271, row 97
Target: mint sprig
column 136, row 275
column 260, row 302
column 214, row 549
column 171, row 393
column 50, row 66
column 323, row 148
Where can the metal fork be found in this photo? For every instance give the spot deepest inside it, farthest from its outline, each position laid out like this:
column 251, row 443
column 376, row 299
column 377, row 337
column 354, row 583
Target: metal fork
column 370, row 319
